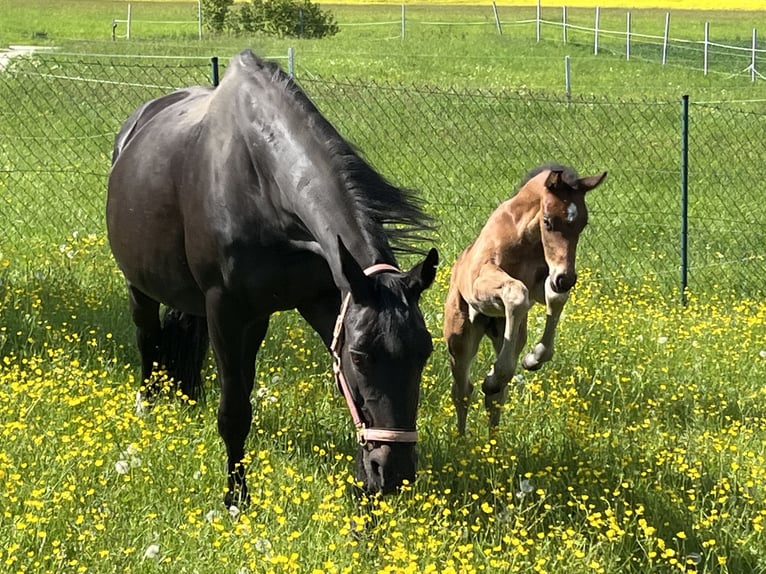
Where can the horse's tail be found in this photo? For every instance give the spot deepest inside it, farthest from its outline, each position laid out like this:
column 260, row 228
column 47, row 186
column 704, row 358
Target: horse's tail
column 183, row 350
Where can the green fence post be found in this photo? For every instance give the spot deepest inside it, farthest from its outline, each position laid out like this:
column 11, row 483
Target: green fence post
column 214, row 70
column 684, row 195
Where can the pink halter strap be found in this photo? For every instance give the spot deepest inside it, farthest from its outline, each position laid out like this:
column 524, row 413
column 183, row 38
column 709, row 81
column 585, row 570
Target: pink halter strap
column 363, row 433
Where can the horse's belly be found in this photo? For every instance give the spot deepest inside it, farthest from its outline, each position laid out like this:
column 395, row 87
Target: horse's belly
column 149, row 248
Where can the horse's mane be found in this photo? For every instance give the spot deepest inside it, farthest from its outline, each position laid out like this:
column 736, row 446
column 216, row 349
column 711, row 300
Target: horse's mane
column 569, row 175
column 397, row 211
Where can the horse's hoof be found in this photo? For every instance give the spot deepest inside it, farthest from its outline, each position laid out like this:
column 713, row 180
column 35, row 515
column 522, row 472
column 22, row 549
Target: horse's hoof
column 236, row 500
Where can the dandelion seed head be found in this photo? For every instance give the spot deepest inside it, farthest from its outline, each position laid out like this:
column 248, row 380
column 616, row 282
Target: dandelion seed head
column 152, row 551
column 212, row 515
column 263, row 545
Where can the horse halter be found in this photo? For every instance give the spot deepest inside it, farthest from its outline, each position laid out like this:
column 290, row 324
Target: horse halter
column 363, row 433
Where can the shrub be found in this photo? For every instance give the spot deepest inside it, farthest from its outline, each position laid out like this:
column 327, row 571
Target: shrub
column 215, row 14
column 283, row 18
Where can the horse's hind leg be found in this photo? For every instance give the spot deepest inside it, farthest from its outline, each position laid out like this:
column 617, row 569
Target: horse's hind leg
column 183, row 350
column 543, row 351
column 462, row 338
column 145, row 312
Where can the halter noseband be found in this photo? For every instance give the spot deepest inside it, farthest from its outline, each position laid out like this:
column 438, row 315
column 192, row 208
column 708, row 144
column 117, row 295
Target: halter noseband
column 363, row 433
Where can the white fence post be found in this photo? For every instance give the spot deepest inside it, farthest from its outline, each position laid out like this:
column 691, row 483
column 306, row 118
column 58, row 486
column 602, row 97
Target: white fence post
column 199, row 19
column 707, row 39
column 497, row 19
column 564, row 22
column 595, row 35
column 538, row 18
column 403, row 20
column 752, row 60
column 128, row 24
column 665, row 39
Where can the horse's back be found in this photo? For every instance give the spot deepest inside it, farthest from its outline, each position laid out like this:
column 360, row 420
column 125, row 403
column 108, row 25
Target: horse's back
column 144, row 215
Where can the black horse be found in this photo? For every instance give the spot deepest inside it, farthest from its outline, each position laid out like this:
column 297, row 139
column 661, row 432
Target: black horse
column 229, row 204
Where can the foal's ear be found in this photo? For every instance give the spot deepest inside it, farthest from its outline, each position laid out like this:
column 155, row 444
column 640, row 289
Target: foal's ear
column 358, row 282
column 554, row 180
column 420, row 277
column 592, row 181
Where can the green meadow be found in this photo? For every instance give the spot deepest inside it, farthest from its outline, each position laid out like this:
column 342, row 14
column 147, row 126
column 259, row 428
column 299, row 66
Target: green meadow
column 640, row 448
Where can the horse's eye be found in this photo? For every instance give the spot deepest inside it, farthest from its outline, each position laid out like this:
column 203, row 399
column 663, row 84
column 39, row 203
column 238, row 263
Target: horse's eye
column 360, row 359
column 547, row 223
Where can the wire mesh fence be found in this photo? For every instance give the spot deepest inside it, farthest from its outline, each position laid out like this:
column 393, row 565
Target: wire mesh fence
column 464, row 150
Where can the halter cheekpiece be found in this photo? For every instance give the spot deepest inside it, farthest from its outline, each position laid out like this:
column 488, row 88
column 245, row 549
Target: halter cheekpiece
column 363, row 433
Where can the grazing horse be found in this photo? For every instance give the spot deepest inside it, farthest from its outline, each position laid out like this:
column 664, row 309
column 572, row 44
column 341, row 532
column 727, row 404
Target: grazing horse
column 227, row 204
column 524, row 254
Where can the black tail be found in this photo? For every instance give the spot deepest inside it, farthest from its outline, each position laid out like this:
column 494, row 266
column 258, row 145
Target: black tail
column 183, row 350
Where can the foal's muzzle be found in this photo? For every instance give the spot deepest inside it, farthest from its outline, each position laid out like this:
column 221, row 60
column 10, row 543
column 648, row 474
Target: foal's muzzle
column 563, row 282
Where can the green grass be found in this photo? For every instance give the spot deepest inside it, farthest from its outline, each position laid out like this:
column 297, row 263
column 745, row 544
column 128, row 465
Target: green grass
column 639, row 448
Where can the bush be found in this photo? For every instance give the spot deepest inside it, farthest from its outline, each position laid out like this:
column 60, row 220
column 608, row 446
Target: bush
column 283, row 18
column 215, row 14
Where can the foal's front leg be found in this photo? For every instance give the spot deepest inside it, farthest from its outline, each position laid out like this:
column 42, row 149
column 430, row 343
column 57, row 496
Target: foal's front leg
column 543, row 351
column 498, row 294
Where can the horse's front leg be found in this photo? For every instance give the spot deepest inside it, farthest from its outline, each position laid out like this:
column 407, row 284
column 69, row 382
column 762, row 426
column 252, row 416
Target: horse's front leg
column 235, row 343
column 543, row 351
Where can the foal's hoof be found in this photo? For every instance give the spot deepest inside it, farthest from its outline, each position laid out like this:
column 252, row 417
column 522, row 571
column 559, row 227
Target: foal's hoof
column 530, row 362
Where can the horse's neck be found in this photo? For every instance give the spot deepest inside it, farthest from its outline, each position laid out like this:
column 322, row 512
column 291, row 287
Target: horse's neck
column 308, row 182
column 339, row 216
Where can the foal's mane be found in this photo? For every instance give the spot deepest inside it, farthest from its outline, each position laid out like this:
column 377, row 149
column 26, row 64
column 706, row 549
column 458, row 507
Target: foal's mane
column 395, row 212
column 569, row 175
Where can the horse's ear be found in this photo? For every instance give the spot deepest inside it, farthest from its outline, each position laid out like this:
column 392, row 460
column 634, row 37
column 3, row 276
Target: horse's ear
column 420, row 277
column 358, row 282
column 554, row 180
column 592, row 181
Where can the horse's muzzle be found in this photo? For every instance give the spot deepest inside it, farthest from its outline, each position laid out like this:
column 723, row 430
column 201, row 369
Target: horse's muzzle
column 387, row 466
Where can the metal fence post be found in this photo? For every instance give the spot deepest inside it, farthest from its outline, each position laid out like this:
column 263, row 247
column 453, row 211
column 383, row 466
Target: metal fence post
column 291, row 62
column 684, row 195
column 214, row 70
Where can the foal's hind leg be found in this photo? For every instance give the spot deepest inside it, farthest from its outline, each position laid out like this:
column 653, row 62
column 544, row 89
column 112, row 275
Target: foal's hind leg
column 462, row 338
column 145, row 312
column 543, row 351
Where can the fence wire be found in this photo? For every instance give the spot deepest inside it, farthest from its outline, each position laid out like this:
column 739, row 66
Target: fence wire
column 464, row 150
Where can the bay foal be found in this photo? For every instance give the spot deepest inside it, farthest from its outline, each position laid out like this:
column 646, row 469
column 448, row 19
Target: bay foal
column 524, row 254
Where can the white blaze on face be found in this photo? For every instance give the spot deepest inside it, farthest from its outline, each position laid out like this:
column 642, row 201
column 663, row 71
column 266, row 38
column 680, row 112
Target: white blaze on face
column 571, row 212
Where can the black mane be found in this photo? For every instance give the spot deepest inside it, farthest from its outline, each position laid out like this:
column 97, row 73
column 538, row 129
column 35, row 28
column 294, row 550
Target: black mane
column 397, row 212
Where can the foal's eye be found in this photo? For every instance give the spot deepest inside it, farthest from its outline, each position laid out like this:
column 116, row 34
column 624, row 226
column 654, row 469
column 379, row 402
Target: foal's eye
column 547, row 223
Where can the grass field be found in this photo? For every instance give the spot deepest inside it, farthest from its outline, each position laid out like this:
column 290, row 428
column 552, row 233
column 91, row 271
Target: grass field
column 640, row 448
